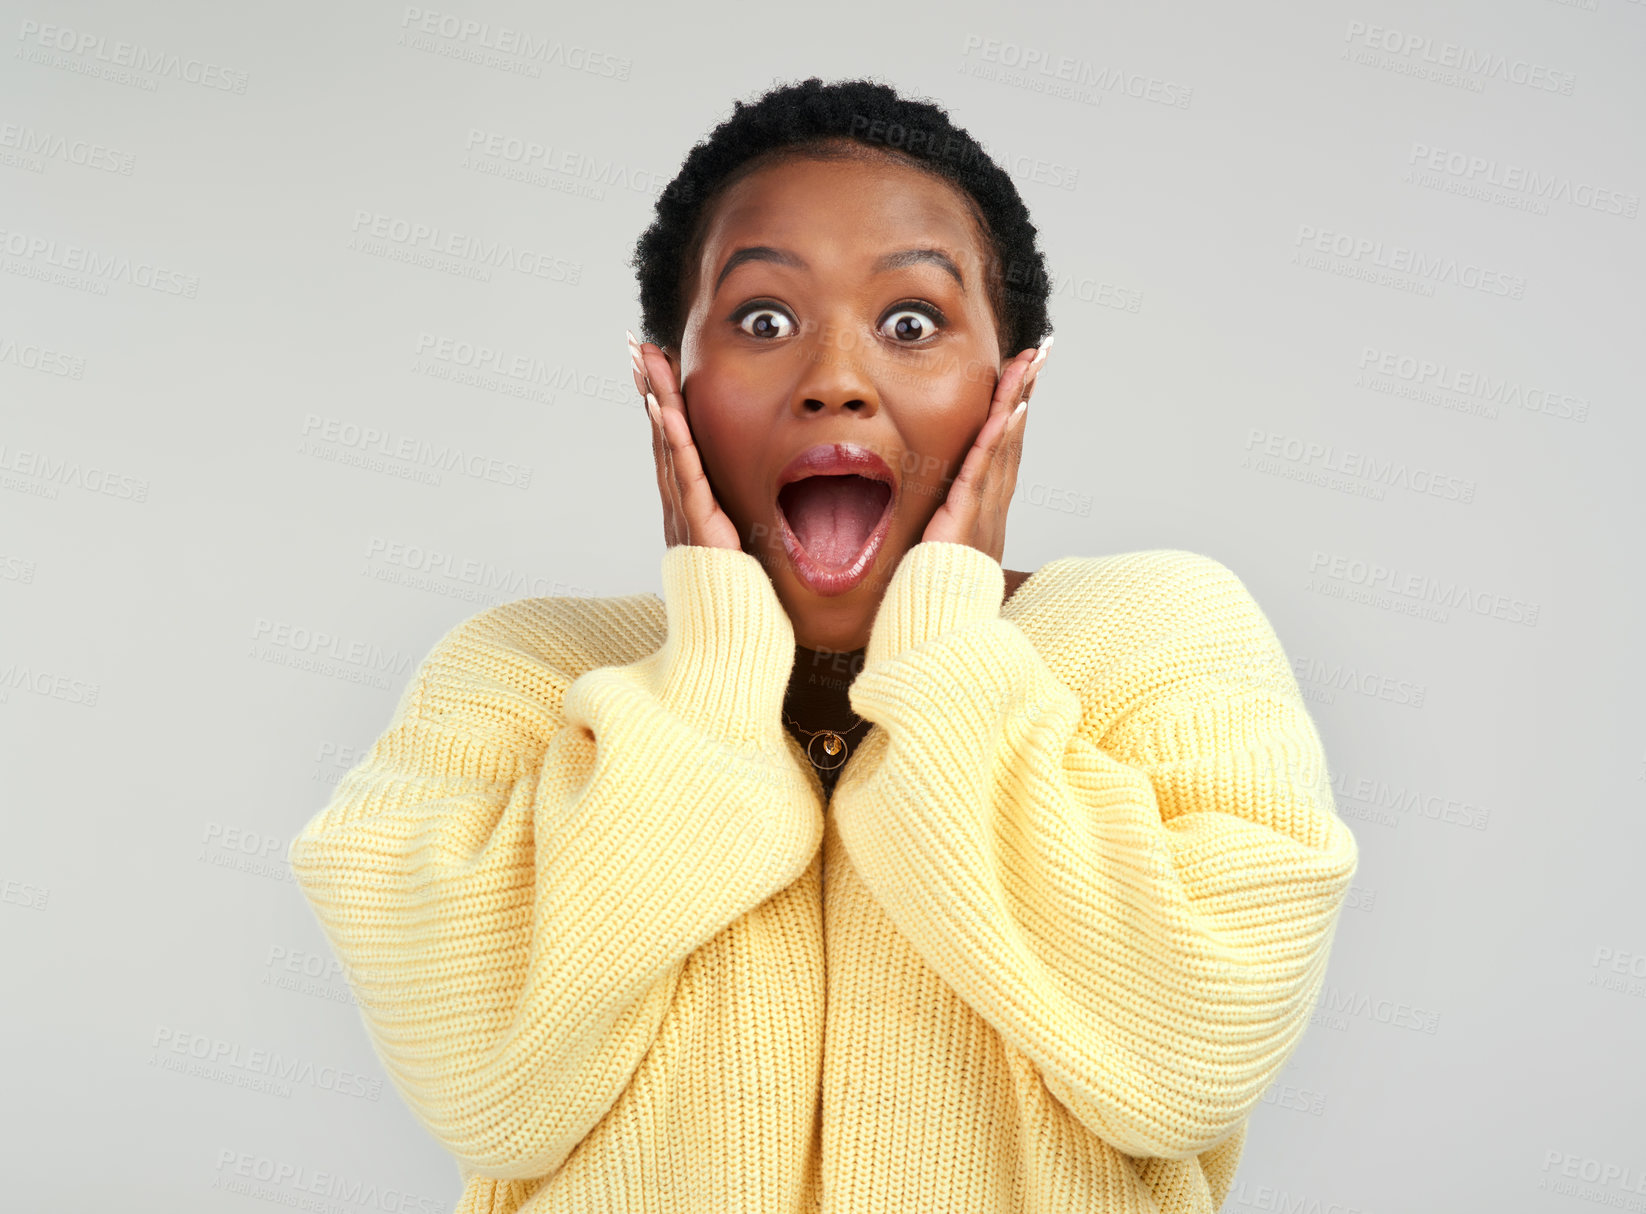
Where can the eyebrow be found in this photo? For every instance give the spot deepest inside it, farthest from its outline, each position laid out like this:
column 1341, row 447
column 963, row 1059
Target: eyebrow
column 891, row 261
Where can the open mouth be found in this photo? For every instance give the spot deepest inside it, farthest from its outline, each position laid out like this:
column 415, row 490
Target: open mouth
column 834, row 526
column 834, row 517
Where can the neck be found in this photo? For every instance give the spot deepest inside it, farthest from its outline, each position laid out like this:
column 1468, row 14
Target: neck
column 819, row 686
column 818, row 699
column 821, row 679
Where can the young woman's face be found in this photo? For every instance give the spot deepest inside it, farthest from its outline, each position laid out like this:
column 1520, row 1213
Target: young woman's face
column 811, row 340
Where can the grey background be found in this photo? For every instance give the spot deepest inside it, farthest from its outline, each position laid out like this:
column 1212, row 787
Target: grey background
column 184, row 516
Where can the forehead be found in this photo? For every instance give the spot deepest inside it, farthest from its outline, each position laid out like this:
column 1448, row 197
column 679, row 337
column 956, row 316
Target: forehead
column 854, row 208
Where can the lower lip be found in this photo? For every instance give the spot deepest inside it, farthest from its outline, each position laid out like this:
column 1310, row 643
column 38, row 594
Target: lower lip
column 822, row 580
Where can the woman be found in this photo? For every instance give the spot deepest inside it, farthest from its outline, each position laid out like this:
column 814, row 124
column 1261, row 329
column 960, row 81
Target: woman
column 640, row 918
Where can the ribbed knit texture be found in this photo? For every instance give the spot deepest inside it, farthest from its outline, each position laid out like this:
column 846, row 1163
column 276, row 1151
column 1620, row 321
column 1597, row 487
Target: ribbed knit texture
column 1062, row 922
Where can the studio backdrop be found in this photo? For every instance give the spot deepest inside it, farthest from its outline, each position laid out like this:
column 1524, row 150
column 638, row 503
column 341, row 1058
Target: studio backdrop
column 311, row 346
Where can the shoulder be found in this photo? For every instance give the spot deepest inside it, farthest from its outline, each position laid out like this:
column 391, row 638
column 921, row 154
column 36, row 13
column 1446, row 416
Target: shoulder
column 513, row 661
column 1149, row 620
column 1165, row 585
column 561, row 628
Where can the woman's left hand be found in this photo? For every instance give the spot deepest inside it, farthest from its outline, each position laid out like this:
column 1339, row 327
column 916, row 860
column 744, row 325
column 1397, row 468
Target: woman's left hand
column 974, row 510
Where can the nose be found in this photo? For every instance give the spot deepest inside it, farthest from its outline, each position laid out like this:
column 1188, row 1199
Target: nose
column 835, row 380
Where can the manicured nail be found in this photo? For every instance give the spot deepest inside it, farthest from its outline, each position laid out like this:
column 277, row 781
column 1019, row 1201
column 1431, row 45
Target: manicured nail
column 654, row 410
column 638, row 364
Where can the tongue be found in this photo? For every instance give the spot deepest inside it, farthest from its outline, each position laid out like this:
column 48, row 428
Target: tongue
column 832, row 516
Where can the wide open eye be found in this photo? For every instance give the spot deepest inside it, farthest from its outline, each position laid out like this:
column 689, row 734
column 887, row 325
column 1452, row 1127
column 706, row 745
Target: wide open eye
column 767, row 318
column 912, row 323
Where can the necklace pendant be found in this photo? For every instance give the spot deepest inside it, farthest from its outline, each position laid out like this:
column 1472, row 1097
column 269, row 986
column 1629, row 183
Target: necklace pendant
column 833, row 745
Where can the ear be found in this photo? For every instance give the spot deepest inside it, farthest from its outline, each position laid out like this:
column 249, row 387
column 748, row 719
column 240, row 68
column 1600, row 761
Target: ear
column 673, row 355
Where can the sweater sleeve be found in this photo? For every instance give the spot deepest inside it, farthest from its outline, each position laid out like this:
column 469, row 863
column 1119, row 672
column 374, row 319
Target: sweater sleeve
column 1136, row 886
column 516, row 872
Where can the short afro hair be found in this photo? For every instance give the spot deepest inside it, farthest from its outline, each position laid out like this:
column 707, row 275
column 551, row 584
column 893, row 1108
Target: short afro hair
column 809, row 120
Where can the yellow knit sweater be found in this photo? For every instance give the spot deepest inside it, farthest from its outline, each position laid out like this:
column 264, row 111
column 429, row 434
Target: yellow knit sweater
column 1062, row 921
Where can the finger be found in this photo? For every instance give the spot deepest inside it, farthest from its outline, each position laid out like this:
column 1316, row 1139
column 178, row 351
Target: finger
column 665, row 475
column 1012, row 444
column 657, row 436
column 997, row 471
column 1012, row 452
column 668, row 439
column 1006, row 450
column 1004, row 398
column 642, row 384
column 1011, row 394
column 661, row 377
column 697, row 498
column 1007, row 386
column 986, row 468
column 671, row 426
column 685, row 468
column 1035, row 364
column 973, row 477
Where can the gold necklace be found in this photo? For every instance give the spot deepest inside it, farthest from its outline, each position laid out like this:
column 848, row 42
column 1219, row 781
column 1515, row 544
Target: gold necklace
column 834, row 742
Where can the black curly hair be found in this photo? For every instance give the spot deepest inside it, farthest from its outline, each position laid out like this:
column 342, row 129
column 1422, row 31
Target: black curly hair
column 811, row 119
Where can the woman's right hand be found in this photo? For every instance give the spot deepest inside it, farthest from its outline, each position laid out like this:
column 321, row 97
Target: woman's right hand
column 691, row 515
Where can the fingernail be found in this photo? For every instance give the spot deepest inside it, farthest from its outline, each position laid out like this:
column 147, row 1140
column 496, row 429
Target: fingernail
column 653, row 409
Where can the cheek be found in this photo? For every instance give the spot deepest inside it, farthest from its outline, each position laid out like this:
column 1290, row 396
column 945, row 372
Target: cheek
column 722, row 421
column 940, row 431
column 710, row 416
